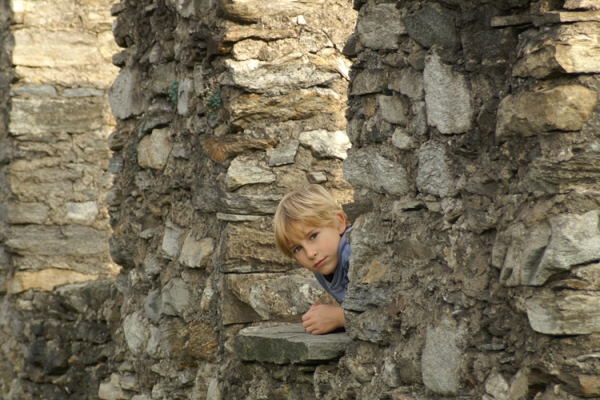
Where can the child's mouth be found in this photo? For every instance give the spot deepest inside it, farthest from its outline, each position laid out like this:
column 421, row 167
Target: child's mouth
column 321, row 262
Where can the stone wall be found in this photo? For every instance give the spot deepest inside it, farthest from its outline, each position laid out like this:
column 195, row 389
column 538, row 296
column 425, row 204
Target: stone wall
column 474, row 130
column 222, row 108
column 57, row 278
column 471, row 184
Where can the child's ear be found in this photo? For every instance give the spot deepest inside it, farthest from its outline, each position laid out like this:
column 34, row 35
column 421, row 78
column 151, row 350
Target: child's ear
column 341, row 220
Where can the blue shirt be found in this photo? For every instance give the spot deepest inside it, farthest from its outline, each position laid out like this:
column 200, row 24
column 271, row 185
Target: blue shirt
column 339, row 282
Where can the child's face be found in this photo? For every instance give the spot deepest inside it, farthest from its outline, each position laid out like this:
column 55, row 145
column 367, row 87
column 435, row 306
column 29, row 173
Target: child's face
column 316, row 248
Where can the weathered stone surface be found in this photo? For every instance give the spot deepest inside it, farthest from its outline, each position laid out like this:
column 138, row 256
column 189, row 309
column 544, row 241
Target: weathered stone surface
column 124, row 98
column 530, row 256
column 250, row 249
column 510, row 20
column 154, row 150
column 563, row 108
column 222, row 148
column 432, row 25
column 367, row 169
column 394, row 109
column 448, row 97
column 184, row 95
column 197, row 341
column 412, row 84
column 253, row 10
column 299, row 104
column 196, row 253
column 111, row 390
column 135, row 332
column 54, row 240
column 246, row 171
column 175, row 297
column 381, row 27
column 280, row 77
column 434, row 175
column 81, row 296
column 153, row 306
column 288, row 344
column 368, row 81
column 284, row 154
column 82, row 212
column 36, row 48
column 26, row 213
column 553, row 17
column 41, row 116
column 46, row 280
column 402, row 140
column 252, row 204
column 326, row 144
column 581, row 4
column 497, row 387
column 564, row 314
column 571, row 49
column 441, row 359
column 171, row 243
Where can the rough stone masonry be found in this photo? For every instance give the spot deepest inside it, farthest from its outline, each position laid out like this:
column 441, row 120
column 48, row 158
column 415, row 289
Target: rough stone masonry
column 471, row 180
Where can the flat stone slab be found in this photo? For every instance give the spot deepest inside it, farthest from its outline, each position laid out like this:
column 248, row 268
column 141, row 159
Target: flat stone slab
column 288, row 344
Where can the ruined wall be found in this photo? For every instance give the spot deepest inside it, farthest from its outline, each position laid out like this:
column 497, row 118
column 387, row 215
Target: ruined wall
column 221, row 107
column 474, row 129
column 473, row 171
column 57, row 277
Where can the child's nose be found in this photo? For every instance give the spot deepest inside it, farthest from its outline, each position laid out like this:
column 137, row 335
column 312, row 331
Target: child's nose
column 311, row 251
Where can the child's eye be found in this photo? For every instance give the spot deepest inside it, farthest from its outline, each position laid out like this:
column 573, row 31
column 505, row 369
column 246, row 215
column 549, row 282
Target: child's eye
column 296, row 249
column 314, row 236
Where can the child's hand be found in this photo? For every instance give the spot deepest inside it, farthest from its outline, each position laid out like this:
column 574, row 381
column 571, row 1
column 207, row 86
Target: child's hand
column 323, row 318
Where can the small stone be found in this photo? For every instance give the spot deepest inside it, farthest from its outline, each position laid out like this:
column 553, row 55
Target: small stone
column 394, row 109
column 244, row 171
column 381, row 27
column 82, row 212
column 391, row 374
column 135, row 332
column 559, row 314
column 434, row 175
column 562, row 108
column 184, row 94
column 412, row 84
column 581, row 4
column 26, row 213
column 300, row 20
column 284, row 153
column 441, row 359
column 432, row 25
column 34, row 90
column 175, row 297
column 326, row 143
column 402, row 140
column 83, row 92
column 196, row 253
column 367, row 169
column 368, row 81
column 152, row 266
column 237, row 217
column 112, row 390
column 153, row 306
column 288, row 344
column 497, row 387
column 316, row 177
column 448, row 98
column 510, row 20
column 124, row 97
column 154, row 150
column 171, row 243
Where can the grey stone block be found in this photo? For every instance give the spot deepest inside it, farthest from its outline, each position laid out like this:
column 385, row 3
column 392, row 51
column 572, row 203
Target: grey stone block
column 288, row 344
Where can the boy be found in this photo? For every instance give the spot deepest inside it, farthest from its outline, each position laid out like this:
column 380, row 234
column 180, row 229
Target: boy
column 311, row 228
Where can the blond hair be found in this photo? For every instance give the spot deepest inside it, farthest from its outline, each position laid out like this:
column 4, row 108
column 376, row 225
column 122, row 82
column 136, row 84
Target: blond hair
column 312, row 206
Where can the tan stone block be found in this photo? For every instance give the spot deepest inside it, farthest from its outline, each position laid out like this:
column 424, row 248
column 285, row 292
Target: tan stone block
column 27, row 213
column 57, row 240
column 253, row 10
column 45, row 13
column 154, row 150
column 99, row 76
column 562, row 108
column 36, row 116
column 96, row 264
column 46, row 280
column 250, row 248
column 39, row 48
column 297, row 105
